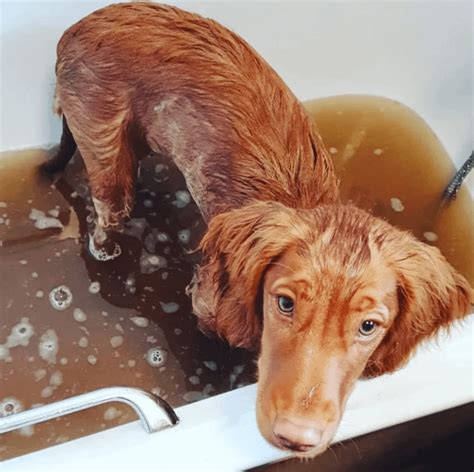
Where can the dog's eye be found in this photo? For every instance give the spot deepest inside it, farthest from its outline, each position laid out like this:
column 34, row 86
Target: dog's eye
column 285, row 305
column 368, row 327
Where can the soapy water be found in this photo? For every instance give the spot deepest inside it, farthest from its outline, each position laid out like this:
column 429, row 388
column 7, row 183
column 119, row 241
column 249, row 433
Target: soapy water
column 189, row 366
column 84, row 324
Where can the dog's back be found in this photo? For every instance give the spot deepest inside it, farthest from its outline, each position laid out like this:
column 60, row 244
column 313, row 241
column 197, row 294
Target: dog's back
column 189, row 88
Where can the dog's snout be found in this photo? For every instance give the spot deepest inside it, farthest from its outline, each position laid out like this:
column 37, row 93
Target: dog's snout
column 296, row 434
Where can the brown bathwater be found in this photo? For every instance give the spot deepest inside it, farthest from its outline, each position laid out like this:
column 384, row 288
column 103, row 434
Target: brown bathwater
column 125, row 312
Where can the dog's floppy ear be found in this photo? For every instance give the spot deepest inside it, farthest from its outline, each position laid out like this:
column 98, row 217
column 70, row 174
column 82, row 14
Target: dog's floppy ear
column 237, row 248
column 431, row 295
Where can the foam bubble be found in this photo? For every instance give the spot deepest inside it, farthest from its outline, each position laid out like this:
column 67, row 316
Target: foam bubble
column 150, row 263
column 130, row 284
column 150, row 242
column 56, row 379
column 140, row 321
column 62, row 439
column 135, row 227
column 184, row 236
column 48, row 346
column 100, row 253
column 194, row 380
column 79, row 315
column 171, row 307
column 60, row 297
column 10, row 406
column 20, row 334
column 396, row 204
column 4, row 352
column 54, row 212
column 91, row 359
column 112, row 413
column 430, row 236
column 83, row 342
column 26, row 431
column 47, row 391
column 182, row 198
column 44, row 222
column 208, row 389
column 211, row 365
column 39, row 294
column 39, row 374
column 162, row 237
column 237, row 370
column 193, row 396
column 94, row 287
column 156, row 356
column 116, row 341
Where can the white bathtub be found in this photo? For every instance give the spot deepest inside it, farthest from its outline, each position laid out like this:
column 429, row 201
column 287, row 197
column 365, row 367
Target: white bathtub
column 419, row 53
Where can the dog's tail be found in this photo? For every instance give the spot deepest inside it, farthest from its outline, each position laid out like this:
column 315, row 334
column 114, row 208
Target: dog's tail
column 67, row 148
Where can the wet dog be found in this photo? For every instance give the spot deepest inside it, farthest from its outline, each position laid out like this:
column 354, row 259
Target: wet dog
column 325, row 291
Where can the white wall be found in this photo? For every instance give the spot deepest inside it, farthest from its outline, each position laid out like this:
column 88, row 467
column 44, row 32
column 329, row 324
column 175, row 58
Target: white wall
column 417, row 52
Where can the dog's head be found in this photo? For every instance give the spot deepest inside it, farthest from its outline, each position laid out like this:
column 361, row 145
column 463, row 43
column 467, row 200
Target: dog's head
column 329, row 295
